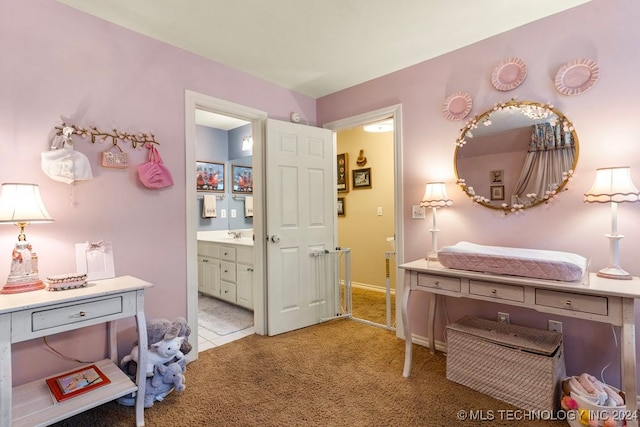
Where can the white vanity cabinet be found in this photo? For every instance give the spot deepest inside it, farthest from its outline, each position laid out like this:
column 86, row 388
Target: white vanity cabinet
column 244, row 277
column 209, row 269
column 225, row 271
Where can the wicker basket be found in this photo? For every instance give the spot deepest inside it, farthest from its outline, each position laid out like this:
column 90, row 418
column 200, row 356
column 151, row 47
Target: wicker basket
column 518, row 365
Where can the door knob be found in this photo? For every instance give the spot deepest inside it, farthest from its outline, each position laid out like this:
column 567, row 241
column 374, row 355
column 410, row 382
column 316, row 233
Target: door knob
column 275, row 239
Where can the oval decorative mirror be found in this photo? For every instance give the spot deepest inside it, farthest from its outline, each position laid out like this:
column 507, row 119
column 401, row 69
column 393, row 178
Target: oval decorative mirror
column 515, row 156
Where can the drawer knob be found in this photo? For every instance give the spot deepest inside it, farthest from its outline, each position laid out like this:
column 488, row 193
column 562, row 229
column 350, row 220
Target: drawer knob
column 494, row 291
column 205, row 260
column 568, row 303
column 436, row 283
column 82, row 314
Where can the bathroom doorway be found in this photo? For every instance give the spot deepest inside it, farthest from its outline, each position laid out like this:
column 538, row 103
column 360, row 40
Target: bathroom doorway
column 193, row 103
column 223, row 144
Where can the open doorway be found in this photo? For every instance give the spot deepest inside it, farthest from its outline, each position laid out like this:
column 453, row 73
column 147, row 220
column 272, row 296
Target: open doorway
column 195, row 102
column 224, row 147
column 362, row 212
column 366, row 218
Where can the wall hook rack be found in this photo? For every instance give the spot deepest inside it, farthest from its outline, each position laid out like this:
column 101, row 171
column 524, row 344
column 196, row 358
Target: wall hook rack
column 115, row 135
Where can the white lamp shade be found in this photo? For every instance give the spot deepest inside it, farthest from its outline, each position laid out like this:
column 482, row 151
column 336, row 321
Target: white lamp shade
column 435, row 196
column 612, row 185
column 22, row 203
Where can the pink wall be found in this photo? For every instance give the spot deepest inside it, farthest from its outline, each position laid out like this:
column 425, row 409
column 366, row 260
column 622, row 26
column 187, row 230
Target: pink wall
column 58, row 62
column 605, row 118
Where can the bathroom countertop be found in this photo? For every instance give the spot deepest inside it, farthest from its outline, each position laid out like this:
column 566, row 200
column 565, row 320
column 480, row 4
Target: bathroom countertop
column 224, row 238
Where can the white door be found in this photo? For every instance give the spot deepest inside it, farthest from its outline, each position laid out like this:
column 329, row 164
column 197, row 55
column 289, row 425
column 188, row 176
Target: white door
column 300, row 195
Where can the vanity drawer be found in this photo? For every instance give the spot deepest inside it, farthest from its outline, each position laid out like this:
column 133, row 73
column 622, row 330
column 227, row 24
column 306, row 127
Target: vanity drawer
column 496, row 290
column 227, row 253
column 439, row 282
column 208, row 249
column 75, row 313
column 228, row 291
column 574, row 302
column 227, row 271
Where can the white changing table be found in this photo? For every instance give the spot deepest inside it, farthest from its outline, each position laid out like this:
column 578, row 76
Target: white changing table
column 601, row 300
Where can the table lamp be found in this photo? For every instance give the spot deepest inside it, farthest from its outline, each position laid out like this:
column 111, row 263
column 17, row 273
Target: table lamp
column 613, row 185
column 21, row 204
column 435, row 196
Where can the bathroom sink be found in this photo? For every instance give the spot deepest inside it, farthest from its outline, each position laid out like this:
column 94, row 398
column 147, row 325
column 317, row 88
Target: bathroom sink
column 245, row 241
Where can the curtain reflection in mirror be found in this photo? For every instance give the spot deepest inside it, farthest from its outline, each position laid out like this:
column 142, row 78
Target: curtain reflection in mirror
column 550, row 157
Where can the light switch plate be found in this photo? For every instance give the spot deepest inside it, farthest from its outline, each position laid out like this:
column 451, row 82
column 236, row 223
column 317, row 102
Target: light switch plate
column 417, row 212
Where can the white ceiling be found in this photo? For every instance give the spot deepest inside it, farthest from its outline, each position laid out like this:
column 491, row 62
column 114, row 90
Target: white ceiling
column 318, row 47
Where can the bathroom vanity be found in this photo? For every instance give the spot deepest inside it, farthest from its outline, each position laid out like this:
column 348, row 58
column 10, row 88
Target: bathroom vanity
column 225, row 267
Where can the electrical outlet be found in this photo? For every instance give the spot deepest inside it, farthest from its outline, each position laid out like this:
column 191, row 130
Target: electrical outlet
column 503, row 317
column 555, row 326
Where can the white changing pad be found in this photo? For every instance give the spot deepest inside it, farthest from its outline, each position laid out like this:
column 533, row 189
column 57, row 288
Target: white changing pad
column 534, row 263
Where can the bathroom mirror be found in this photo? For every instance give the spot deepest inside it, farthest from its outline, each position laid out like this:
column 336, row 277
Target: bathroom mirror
column 515, row 156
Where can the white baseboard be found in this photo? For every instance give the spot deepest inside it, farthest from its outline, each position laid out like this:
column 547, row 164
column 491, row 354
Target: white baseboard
column 369, row 287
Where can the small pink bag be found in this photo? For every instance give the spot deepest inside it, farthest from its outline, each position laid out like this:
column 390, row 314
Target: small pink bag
column 154, row 174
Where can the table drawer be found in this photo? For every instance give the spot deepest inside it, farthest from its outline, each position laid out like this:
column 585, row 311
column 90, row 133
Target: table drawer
column 227, row 253
column 496, row 290
column 75, row 313
column 227, row 271
column 574, row 302
column 439, row 282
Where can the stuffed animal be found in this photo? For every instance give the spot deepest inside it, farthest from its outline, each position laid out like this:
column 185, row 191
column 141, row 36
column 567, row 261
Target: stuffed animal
column 166, row 378
column 159, row 353
column 160, row 330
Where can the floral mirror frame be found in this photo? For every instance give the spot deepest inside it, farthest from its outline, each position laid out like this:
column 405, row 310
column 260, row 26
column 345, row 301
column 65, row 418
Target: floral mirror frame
column 498, row 152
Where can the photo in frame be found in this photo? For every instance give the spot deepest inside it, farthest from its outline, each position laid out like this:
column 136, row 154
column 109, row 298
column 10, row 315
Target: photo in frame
column 343, row 172
column 361, row 178
column 210, row 177
column 496, row 176
column 242, row 179
column 95, row 259
column 73, row 383
column 497, row 192
column 341, row 206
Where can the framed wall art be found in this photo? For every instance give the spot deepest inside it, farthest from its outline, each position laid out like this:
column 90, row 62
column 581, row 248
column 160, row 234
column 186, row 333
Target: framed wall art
column 242, row 179
column 361, row 178
column 343, row 172
column 210, row 176
column 497, row 192
column 496, row 177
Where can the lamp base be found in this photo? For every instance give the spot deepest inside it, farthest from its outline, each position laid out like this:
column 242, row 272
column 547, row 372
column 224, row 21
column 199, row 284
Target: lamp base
column 432, row 256
column 15, row 288
column 614, row 273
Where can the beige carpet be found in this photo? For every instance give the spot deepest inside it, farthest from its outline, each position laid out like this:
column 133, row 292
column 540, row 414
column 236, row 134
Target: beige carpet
column 372, row 306
column 340, row 373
